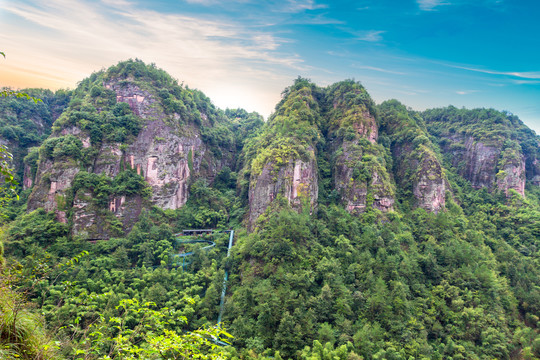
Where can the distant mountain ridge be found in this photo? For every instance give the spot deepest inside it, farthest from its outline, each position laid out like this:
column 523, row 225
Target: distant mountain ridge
column 361, row 231
column 134, row 116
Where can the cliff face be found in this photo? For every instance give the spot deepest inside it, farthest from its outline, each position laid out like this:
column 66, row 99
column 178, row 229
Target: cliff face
column 360, row 173
column 131, row 138
column 535, row 172
column 284, row 163
column 489, row 148
column 150, row 128
column 481, row 162
column 486, row 165
column 417, row 168
column 362, row 165
column 511, row 173
column 295, row 181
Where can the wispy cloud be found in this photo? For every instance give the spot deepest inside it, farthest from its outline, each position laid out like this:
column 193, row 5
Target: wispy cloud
column 518, row 74
column 371, row 35
column 213, row 2
column 405, row 92
column 89, row 35
column 526, row 82
column 466, row 92
column 202, row 2
column 295, row 6
column 319, row 19
column 430, row 5
column 382, row 70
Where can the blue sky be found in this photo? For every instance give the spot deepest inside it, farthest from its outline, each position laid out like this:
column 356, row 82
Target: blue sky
column 243, row 53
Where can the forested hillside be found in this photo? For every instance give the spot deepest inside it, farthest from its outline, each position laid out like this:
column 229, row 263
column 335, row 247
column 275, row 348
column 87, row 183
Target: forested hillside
column 361, row 231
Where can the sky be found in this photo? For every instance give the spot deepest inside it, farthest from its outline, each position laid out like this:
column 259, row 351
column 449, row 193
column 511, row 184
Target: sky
column 243, row 53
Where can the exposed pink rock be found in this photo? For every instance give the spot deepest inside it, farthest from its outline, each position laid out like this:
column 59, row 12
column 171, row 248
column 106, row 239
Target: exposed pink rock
column 108, row 160
column 419, row 169
column 112, row 205
column 132, row 95
column 83, row 216
column 152, row 171
column 72, row 130
column 481, row 160
column 353, row 208
column 167, row 152
column 479, row 163
column 296, row 180
column 86, row 142
column 368, row 128
column 52, row 189
column 61, row 216
column 28, row 180
column 358, row 192
column 166, row 162
column 46, row 192
column 512, row 176
column 89, row 223
column 535, row 178
column 354, row 192
column 383, row 195
column 430, row 191
column 116, row 203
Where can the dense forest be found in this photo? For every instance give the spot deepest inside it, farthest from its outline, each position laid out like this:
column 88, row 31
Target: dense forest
column 361, row 230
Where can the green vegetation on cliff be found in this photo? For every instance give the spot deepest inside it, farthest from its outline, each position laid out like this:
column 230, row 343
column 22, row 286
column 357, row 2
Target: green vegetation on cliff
column 25, row 123
column 292, row 131
column 456, row 281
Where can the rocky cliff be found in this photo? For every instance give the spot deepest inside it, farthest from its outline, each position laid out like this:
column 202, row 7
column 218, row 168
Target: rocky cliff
column 283, row 163
column 417, row 168
column 360, row 169
column 490, row 149
column 132, row 137
column 135, row 118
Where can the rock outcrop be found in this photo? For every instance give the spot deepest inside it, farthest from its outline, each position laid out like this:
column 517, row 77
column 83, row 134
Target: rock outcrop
column 485, row 165
column 511, row 175
column 360, row 173
column 295, row 181
column 163, row 135
column 417, row 167
column 490, row 149
column 535, row 172
column 135, row 124
column 284, row 164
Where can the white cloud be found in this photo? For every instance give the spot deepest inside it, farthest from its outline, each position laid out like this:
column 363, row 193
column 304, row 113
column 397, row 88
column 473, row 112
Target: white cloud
column 295, row 6
column 382, row 70
column 518, row 74
column 371, row 35
column 319, row 19
column 430, row 5
column 214, row 2
column 466, row 92
column 526, row 82
column 63, row 41
column 202, row 2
